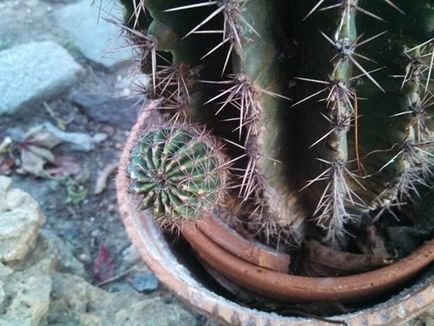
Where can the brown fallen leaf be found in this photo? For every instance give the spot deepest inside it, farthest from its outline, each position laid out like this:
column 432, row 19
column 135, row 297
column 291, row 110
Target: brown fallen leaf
column 42, row 152
column 101, row 182
column 35, row 150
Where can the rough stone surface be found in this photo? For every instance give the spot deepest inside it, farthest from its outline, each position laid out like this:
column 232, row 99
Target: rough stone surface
column 145, row 282
column 65, row 260
column 34, row 72
column 75, row 302
column 425, row 319
column 20, row 220
column 105, row 109
column 27, row 287
column 97, row 39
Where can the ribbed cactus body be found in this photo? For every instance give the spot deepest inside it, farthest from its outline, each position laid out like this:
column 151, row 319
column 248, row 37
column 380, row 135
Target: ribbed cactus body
column 375, row 144
column 253, row 95
column 261, row 65
column 399, row 156
column 332, row 68
column 179, row 171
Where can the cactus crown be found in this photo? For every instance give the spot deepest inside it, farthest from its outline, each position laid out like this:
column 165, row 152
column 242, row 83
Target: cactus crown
column 179, row 172
column 356, row 138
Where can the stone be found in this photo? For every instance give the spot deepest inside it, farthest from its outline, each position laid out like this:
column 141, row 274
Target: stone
column 131, row 257
column 66, row 262
column 20, row 221
column 34, row 72
column 120, row 112
column 93, row 36
column 145, row 282
column 157, row 313
column 27, row 287
column 76, row 302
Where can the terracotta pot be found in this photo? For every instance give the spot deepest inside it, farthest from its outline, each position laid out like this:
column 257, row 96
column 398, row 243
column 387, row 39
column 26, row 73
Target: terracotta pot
column 154, row 249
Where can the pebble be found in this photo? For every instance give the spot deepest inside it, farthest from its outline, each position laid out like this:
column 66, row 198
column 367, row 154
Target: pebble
column 145, row 282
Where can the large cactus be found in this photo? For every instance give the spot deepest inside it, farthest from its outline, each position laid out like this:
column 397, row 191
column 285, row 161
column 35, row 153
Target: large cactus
column 323, row 105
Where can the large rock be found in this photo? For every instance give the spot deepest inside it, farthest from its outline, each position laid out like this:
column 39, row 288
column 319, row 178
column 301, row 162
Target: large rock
column 97, row 39
column 76, row 302
column 34, row 72
column 20, row 220
column 65, row 260
column 27, row 286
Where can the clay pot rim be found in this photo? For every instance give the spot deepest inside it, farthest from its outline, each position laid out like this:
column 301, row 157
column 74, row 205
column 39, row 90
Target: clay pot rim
column 150, row 243
column 255, row 253
column 297, row 288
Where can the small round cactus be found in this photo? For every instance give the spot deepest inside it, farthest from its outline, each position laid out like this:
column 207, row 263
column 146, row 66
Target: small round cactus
column 180, row 172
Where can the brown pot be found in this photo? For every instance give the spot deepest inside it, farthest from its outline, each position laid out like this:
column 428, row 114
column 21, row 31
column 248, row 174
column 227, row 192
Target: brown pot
column 148, row 239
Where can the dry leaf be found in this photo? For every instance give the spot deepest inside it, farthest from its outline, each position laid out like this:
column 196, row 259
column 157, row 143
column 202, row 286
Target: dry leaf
column 101, row 182
column 44, row 153
column 32, row 163
column 40, row 136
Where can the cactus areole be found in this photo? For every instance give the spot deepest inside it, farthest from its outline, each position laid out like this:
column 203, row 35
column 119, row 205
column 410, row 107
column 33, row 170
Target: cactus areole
column 304, row 119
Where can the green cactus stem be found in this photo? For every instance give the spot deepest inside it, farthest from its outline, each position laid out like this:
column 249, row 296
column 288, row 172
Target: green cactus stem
column 402, row 153
column 257, row 89
column 337, row 202
column 173, row 60
column 376, row 144
column 262, row 64
column 180, row 171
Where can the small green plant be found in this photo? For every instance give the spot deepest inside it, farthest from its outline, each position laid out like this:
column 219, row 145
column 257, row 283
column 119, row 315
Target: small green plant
column 75, row 192
column 179, row 171
column 323, row 106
